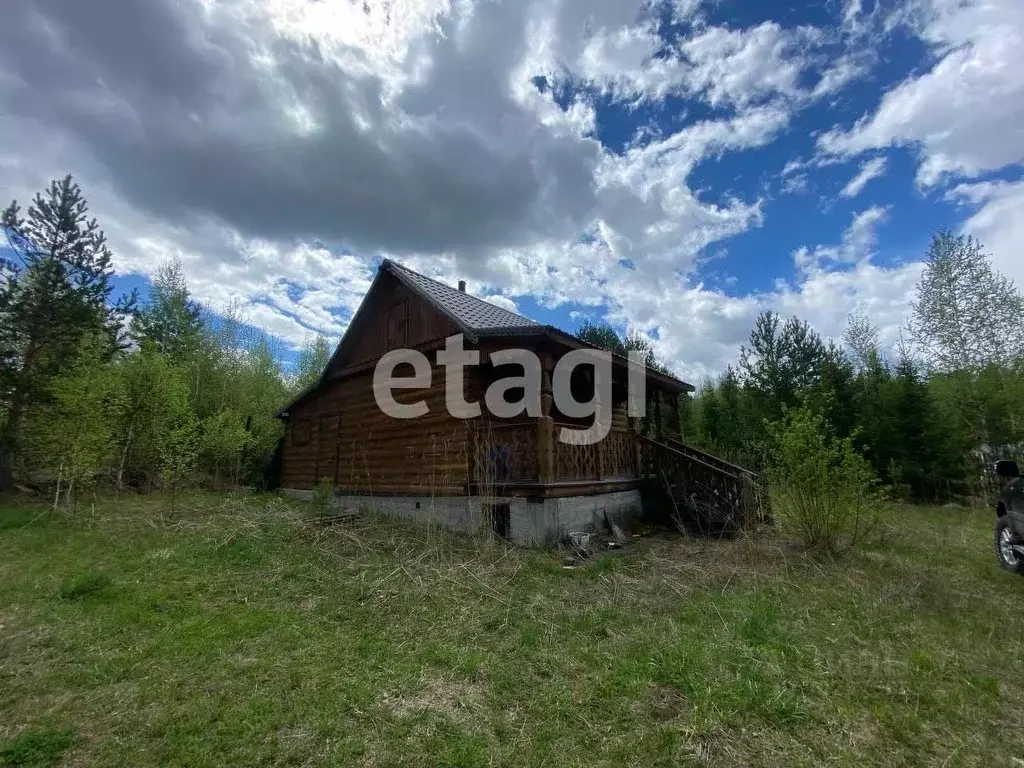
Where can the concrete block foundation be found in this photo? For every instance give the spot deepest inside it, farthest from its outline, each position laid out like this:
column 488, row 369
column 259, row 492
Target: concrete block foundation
column 531, row 521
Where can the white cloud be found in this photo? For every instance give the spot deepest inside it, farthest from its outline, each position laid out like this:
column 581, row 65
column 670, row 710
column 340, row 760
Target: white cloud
column 998, row 223
column 738, row 67
column 857, row 245
column 826, row 299
column 965, row 114
column 724, row 66
column 841, row 73
column 795, row 184
column 869, row 169
column 241, row 136
column 702, row 330
column 851, row 11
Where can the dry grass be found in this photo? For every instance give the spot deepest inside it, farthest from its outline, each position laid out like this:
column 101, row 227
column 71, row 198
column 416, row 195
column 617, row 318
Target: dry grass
column 241, row 632
column 458, row 700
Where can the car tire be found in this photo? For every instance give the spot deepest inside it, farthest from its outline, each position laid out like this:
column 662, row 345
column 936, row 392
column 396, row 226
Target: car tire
column 1009, row 559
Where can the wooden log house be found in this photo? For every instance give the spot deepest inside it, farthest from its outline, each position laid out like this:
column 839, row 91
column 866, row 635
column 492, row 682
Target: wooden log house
column 511, row 475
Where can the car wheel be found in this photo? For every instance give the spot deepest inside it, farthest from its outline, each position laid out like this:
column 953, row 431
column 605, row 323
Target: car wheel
column 1009, row 558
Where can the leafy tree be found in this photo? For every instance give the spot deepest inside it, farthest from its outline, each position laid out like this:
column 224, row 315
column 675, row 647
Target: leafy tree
column 928, row 431
column 723, row 419
column 911, row 415
column 862, row 338
column 1001, row 395
column 966, row 314
column 179, row 452
column 687, row 416
column 606, row 337
column 222, row 445
column 312, row 360
column 170, row 321
column 156, row 399
column 834, row 393
column 637, row 342
column 54, row 292
column 73, row 434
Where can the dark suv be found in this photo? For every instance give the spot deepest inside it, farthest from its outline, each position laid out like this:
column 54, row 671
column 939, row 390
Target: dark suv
column 1010, row 518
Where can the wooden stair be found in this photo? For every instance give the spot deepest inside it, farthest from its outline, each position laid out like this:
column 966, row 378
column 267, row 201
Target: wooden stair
column 697, row 490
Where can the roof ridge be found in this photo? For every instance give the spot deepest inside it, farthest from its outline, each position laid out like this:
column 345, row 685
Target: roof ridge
column 390, row 263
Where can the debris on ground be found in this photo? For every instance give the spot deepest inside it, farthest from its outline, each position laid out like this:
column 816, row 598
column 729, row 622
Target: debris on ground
column 341, row 517
column 617, row 532
column 579, row 542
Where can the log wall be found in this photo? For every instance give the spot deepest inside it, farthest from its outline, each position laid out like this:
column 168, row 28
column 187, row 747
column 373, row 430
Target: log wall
column 342, row 435
column 392, row 319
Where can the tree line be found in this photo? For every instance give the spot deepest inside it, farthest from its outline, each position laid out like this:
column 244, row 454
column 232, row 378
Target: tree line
column 160, row 392
column 151, row 393
column 929, row 415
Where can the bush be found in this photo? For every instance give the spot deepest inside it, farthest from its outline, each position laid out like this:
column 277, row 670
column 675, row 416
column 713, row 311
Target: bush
column 821, row 488
column 323, row 492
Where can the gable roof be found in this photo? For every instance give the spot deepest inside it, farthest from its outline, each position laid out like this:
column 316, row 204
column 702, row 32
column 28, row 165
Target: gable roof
column 476, row 319
column 474, row 316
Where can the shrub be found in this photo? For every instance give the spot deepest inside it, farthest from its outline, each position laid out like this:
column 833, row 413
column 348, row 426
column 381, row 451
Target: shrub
column 821, row 488
column 323, row 491
column 179, row 452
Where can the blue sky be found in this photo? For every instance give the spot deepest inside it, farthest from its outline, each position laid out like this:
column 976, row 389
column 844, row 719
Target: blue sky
column 673, row 167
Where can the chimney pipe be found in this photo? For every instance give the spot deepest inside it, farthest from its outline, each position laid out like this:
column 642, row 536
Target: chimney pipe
column 462, row 286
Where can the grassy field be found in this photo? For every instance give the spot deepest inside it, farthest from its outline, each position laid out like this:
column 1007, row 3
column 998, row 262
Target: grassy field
column 237, row 633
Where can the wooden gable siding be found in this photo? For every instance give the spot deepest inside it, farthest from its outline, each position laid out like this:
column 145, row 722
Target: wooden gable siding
column 352, row 443
column 392, row 318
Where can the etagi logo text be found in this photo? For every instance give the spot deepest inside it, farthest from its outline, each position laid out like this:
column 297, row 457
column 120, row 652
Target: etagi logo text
column 455, row 357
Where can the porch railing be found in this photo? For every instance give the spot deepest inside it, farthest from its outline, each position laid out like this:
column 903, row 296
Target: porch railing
column 504, row 453
column 509, row 453
column 714, row 493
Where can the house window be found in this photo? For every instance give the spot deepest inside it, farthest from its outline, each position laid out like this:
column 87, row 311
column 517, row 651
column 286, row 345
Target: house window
column 300, row 433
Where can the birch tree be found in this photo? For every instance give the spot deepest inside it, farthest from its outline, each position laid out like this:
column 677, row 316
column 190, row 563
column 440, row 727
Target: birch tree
column 966, row 314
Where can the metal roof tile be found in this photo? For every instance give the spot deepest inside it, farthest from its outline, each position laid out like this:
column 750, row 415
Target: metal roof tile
column 476, row 314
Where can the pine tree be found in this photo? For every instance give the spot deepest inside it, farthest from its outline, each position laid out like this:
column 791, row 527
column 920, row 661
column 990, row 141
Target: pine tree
column 833, row 395
column 601, row 335
column 604, row 336
column 54, row 292
column 170, row 320
column 782, row 362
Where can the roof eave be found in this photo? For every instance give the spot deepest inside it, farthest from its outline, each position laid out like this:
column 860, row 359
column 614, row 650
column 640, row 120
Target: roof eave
column 557, row 334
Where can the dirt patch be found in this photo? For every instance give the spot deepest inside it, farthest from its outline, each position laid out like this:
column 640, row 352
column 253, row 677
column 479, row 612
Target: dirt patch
column 456, row 699
column 668, row 703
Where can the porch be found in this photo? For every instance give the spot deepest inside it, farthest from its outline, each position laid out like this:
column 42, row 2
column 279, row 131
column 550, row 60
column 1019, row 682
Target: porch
column 687, row 484
column 512, row 456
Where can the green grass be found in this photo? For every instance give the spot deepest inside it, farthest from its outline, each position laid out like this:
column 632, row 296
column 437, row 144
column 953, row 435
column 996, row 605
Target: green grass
column 36, row 748
column 235, row 633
